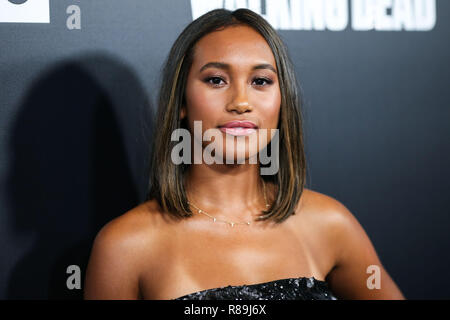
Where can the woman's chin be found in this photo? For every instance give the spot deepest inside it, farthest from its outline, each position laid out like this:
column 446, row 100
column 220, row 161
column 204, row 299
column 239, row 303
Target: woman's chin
column 243, row 157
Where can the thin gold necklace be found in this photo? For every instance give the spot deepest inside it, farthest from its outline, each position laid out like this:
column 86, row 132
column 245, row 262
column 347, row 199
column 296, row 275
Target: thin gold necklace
column 231, row 223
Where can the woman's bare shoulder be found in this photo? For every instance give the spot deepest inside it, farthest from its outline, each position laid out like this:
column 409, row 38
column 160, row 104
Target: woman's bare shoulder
column 323, row 207
column 119, row 252
column 328, row 218
column 135, row 226
column 324, row 216
column 332, row 217
column 354, row 253
column 331, row 213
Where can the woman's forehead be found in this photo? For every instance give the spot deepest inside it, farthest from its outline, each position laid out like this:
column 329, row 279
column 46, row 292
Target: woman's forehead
column 233, row 45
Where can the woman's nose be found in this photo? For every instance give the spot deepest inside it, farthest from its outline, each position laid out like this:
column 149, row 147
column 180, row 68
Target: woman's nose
column 241, row 107
column 240, row 103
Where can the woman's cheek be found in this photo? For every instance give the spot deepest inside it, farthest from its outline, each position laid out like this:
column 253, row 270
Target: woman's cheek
column 271, row 114
column 206, row 102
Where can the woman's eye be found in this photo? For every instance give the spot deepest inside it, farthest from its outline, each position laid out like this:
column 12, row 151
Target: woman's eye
column 214, row 80
column 260, row 81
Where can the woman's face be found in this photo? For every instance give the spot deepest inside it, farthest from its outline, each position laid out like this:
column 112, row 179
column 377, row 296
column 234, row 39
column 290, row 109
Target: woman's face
column 233, row 89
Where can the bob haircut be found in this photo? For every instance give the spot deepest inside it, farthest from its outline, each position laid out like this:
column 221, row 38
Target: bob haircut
column 166, row 178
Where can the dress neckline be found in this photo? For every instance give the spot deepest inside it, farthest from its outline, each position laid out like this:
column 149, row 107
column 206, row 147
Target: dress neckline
column 255, row 284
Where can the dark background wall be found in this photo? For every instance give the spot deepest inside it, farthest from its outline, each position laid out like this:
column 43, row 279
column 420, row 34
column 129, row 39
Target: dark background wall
column 76, row 107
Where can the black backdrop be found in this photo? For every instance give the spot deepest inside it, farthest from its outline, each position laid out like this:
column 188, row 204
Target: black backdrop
column 76, row 106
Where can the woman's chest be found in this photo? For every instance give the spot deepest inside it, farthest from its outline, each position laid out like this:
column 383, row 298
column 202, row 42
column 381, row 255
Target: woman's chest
column 194, row 261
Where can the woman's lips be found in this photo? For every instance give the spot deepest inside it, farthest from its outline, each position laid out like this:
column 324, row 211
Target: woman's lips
column 239, row 128
column 238, row 131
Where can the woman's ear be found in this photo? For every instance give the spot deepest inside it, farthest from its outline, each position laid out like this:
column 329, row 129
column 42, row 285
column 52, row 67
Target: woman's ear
column 182, row 112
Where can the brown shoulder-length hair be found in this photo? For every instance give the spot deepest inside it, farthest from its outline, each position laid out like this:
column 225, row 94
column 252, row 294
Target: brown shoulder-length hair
column 166, row 178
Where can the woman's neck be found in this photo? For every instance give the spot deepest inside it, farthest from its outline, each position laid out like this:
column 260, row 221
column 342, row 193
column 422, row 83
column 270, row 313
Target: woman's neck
column 230, row 192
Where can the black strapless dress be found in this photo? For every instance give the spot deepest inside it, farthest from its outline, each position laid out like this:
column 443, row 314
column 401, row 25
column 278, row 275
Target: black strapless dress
column 283, row 289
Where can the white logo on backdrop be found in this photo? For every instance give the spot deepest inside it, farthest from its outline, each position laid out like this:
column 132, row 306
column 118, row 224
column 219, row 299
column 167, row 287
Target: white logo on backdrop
column 334, row 15
column 25, row 11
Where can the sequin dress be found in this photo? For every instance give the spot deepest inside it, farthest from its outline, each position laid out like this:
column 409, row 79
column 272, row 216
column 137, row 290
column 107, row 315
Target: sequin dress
column 283, row 289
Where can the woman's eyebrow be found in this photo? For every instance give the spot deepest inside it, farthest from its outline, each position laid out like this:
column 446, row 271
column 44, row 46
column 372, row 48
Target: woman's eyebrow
column 226, row 66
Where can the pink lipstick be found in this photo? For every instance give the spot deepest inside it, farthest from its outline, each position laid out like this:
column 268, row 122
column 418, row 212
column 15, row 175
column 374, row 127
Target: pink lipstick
column 239, row 128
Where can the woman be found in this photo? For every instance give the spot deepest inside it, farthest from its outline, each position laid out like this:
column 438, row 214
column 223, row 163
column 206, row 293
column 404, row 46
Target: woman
column 213, row 230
